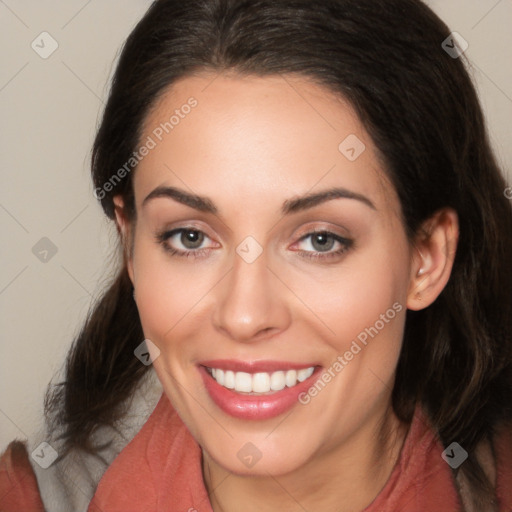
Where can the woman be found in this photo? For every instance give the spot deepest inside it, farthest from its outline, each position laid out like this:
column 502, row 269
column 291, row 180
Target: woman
column 316, row 247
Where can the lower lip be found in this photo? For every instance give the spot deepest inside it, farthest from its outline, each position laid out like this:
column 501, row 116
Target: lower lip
column 254, row 407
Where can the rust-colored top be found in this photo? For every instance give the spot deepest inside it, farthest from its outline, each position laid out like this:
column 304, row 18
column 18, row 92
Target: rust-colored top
column 160, row 470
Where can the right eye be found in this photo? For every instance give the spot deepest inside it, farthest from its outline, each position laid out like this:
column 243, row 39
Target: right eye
column 190, row 240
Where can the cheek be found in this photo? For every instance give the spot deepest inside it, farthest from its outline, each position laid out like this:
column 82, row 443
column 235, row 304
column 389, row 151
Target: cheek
column 360, row 299
column 369, row 307
column 167, row 295
column 373, row 317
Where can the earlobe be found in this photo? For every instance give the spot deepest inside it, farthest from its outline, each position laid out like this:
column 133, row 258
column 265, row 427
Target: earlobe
column 433, row 257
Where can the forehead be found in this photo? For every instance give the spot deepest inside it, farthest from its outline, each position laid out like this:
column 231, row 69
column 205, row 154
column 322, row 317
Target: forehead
column 257, row 137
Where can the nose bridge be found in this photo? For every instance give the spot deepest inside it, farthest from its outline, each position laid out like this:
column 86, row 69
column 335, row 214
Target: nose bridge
column 251, row 302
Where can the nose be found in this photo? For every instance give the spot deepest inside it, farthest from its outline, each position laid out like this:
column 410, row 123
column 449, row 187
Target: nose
column 251, row 303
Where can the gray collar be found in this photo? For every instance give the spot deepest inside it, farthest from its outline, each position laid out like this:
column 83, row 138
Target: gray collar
column 70, row 483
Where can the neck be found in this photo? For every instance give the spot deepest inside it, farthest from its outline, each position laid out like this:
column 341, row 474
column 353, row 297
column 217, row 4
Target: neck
column 346, row 478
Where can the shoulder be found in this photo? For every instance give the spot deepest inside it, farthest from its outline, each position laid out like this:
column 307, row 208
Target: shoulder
column 18, row 484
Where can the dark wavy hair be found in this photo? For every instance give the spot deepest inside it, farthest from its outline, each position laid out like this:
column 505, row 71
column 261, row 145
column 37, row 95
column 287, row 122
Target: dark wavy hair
column 420, row 108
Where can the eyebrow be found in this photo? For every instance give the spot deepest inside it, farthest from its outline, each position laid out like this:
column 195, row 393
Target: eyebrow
column 194, row 201
column 294, row 205
column 310, row 200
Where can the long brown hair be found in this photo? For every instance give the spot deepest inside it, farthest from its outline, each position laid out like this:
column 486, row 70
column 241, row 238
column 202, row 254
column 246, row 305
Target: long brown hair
column 420, row 108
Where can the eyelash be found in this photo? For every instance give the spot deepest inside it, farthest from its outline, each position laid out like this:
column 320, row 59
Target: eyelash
column 346, row 244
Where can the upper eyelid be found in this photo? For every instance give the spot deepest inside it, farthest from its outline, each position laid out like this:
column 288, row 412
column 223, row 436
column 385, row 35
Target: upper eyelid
column 169, row 233
column 183, row 227
column 340, row 239
column 311, row 226
column 307, row 231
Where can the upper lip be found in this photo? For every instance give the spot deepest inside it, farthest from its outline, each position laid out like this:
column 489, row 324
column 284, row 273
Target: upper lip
column 254, row 366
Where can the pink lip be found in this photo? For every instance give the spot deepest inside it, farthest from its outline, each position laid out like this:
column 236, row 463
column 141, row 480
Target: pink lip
column 254, row 366
column 254, row 407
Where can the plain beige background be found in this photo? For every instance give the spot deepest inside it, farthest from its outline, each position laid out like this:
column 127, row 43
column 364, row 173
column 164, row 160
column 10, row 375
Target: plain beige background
column 49, row 110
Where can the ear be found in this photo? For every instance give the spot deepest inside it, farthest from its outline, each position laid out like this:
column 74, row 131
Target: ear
column 125, row 232
column 433, row 256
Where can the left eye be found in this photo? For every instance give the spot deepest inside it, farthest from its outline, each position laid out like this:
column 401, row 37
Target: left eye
column 322, row 241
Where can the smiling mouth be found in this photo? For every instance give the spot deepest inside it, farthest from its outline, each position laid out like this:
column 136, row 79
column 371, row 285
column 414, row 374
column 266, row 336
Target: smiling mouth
column 246, row 391
column 260, row 382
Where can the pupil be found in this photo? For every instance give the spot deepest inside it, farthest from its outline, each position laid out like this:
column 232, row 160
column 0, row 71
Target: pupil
column 191, row 239
column 322, row 241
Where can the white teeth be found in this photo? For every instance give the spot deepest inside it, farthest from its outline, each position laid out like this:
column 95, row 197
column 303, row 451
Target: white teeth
column 277, row 381
column 261, row 382
column 304, row 374
column 229, row 380
column 243, row 382
column 291, row 378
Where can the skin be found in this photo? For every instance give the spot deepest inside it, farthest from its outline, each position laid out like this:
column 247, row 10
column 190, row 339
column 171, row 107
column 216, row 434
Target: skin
column 249, row 145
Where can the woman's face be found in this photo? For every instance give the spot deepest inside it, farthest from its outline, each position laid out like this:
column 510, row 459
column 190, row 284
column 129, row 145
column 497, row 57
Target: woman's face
column 231, row 277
